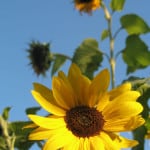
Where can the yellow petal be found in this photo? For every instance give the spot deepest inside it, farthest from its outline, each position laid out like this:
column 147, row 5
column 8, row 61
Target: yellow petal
column 48, row 122
column 59, row 139
column 80, row 84
column 108, row 143
column 63, row 93
column 99, row 85
column 119, row 90
column 96, row 143
column 51, row 108
column 44, row 91
column 120, row 110
column 127, row 96
column 39, row 134
column 86, row 144
column 121, row 141
column 127, row 124
column 126, row 143
column 73, row 145
column 103, row 102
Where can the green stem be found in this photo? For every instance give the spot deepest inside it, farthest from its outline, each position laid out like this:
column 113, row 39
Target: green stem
column 112, row 61
column 10, row 140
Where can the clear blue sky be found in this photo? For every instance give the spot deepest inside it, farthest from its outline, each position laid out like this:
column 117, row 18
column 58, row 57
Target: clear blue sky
column 49, row 21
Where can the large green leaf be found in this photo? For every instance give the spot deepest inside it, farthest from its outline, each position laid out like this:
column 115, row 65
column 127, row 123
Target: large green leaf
column 88, row 57
column 134, row 24
column 58, row 62
column 117, row 5
column 135, row 54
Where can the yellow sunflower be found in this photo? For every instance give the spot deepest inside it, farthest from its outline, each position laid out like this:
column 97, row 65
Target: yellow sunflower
column 83, row 114
column 87, row 5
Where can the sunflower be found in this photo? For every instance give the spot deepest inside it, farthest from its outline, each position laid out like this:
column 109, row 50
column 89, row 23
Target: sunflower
column 83, row 114
column 87, row 5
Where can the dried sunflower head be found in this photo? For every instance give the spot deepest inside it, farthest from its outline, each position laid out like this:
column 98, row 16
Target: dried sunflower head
column 40, row 57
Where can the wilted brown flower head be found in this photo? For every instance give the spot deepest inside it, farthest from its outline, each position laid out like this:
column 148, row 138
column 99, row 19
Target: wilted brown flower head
column 40, row 57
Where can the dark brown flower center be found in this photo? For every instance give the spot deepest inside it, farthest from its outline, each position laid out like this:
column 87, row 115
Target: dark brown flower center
column 84, row 121
column 85, row 1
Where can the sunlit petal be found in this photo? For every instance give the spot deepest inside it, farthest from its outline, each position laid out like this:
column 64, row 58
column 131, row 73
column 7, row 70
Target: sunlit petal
column 98, row 86
column 48, row 122
column 51, row 108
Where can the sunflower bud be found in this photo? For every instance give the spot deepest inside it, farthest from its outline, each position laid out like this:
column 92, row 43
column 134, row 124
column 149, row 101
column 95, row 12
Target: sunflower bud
column 40, row 57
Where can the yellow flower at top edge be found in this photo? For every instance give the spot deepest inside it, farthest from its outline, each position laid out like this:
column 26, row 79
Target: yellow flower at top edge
column 84, row 114
column 87, row 5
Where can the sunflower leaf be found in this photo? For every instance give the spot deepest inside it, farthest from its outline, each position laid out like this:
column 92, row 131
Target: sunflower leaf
column 135, row 54
column 88, row 57
column 104, row 35
column 134, row 24
column 5, row 113
column 21, row 142
column 58, row 62
column 117, row 5
column 32, row 110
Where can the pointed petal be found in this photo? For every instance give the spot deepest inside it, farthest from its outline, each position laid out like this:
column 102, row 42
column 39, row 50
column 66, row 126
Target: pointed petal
column 121, row 141
column 51, row 108
column 119, row 90
column 99, row 85
column 44, row 91
column 80, row 84
column 108, row 143
column 63, row 93
column 48, row 122
column 39, row 134
column 120, row 125
column 127, row 96
column 58, row 139
column 120, row 110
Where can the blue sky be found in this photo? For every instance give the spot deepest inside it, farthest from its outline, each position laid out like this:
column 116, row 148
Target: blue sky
column 56, row 22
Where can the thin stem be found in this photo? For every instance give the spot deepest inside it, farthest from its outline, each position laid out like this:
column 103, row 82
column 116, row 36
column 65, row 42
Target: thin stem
column 10, row 140
column 116, row 33
column 111, row 45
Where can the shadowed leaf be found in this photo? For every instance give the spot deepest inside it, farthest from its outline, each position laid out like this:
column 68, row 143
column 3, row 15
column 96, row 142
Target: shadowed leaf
column 58, row 62
column 88, row 57
column 135, row 54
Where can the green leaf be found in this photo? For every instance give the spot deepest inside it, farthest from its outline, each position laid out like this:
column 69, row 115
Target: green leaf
column 147, row 124
column 21, row 141
column 5, row 113
column 32, row 110
column 104, row 35
column 136, row 54
column 88, row 57
column 117, row 5
column 58, row 62
column 134, row 24
column 139, row 135
column 143, row 86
